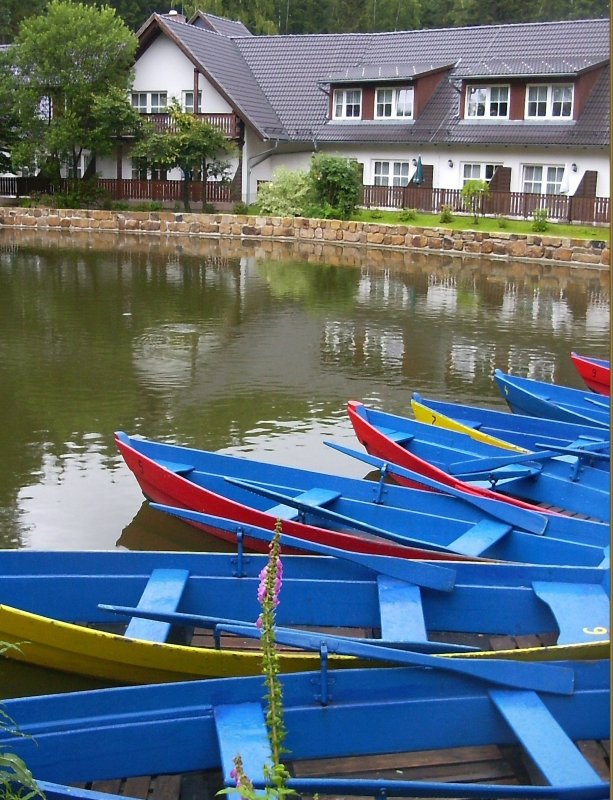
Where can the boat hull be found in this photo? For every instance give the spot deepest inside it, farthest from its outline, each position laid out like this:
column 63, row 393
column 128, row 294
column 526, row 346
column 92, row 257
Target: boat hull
column 203, row 725
column 540, row 399
column 43, row 593
column 433, row 452
column 410, row 523
column 595, row 373
column 512, row 431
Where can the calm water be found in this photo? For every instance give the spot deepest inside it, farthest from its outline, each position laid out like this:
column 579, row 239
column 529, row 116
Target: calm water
column 249, row 349
column 246, row 349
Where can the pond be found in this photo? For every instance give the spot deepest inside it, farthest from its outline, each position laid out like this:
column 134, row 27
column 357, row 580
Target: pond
column 248, row 348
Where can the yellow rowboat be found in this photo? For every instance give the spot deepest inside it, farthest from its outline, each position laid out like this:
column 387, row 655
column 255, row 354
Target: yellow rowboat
column 517, row 432
column 87, row 652
column 424, row 413
column 468, row 609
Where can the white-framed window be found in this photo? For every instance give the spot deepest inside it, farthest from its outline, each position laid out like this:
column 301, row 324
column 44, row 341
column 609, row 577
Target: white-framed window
column 391, row 173
column 542, row 178
column 478, row 172
column 188, row 102
column 487, row 102
column 347, row 103
column 394, row 103
column 150, row 102
column 554, row 101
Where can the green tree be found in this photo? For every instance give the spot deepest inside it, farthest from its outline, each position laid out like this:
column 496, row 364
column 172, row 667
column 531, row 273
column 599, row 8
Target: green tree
column 70, row 71
column 472, row 194
column 189, row 144
column 336, row 183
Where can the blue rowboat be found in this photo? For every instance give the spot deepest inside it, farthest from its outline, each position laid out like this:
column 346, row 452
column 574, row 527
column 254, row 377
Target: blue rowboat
column 120, row 734
column 546, row 478
column 58, row 607
column 325, row 509
column 517, row 430
column 551, row 401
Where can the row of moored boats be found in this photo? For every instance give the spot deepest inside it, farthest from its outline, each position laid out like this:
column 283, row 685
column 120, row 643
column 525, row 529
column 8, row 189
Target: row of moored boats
column 460, row 598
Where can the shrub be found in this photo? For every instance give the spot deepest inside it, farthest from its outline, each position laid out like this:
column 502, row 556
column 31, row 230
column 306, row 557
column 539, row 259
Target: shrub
column 240, row 208
column 502, row 222
column 472, row 194
column 407, row 214
column 446, row 214
column 540, row 221
column 287, row 195
column 336, row 181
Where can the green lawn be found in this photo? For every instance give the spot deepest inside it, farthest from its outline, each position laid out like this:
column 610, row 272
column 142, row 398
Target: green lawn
column 490, row 224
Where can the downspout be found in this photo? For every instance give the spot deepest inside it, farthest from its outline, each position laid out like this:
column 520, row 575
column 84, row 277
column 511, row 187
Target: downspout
column 253, row 161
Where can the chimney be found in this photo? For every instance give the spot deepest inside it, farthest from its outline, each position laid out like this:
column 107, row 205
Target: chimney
column 174, row 14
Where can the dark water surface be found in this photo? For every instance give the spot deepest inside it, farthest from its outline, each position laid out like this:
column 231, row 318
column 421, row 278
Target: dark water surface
column 251, row 349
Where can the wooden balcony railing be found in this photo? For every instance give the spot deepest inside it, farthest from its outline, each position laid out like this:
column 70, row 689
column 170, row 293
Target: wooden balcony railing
column 228, row 124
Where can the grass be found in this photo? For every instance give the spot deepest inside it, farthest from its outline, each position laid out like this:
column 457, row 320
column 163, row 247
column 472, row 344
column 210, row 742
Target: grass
column 486, row 224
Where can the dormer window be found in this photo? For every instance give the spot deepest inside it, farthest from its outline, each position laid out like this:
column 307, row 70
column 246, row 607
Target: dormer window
column 549, row 102
column 394, row 103
column 347, row 103
column 487, row 102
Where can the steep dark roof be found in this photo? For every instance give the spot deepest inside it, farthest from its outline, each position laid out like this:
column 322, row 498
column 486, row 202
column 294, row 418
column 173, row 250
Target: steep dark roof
column 227, row 27
column 293, row 70
column 217, row 56
column 280, row 84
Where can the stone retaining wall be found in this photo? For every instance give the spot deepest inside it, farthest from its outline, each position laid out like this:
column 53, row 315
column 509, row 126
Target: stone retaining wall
column 498, row 245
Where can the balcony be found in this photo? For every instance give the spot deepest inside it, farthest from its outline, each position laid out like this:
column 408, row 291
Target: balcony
column 228, row 124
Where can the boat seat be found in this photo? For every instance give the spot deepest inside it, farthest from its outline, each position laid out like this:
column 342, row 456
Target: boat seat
column 163, row 592
column 399, row 437
column 313, row 497
column 553, row 752
column 241, row 729
column 476, row 540
column 401, row 611
column 581, row 610
column 175, row 466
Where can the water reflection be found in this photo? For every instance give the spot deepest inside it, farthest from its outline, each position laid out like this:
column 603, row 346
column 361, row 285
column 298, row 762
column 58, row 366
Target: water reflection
column 248, row 348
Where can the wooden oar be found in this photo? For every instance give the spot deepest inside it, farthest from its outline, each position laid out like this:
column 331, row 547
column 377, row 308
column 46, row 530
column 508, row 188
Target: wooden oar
column 590, row 449
column 494, row 462
column 520, row 518
column 420, row 573
column 606, row 404
column 515, row 674
column 334, row 516
column 219, row 624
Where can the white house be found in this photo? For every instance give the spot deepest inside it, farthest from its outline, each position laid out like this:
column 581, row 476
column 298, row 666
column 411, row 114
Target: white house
column 524, row 106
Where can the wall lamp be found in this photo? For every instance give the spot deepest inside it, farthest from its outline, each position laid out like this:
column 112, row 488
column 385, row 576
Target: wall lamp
column 573, row 166
column 414, row 162
column 450, row 162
